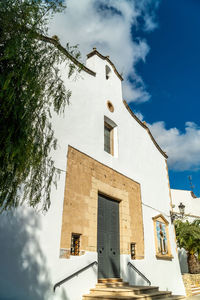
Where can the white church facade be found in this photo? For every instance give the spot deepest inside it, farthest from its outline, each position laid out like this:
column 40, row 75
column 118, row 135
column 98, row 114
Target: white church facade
column 111, row 208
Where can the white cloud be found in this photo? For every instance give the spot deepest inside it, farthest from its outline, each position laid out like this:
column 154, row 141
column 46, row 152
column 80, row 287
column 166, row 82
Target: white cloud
column 183, row 148
column 107, row 25
column 139, row 115
column 149, row 10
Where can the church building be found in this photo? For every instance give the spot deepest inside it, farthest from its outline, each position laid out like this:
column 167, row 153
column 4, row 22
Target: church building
column 110, row 214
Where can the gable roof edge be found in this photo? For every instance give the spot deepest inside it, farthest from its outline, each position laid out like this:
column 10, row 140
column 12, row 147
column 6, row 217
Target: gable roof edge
column 95, row 52
column 145, row 127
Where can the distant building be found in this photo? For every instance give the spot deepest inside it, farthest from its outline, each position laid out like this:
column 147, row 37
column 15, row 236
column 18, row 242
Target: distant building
column 192, row 212
column 112, row 204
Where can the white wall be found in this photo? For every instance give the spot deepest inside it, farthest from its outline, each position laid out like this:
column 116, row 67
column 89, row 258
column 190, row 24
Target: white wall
column 82, row 127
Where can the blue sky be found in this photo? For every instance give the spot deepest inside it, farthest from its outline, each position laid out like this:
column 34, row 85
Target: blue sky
column 172, row 73
column 172, row 68
column 155, row 44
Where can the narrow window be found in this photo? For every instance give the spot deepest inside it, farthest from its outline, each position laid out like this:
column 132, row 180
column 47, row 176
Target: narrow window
column 108, row 72
column 133, row 254
column 108, row 138
column 75, row 244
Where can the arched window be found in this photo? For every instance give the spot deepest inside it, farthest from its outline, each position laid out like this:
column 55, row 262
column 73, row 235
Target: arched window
column 162, row 237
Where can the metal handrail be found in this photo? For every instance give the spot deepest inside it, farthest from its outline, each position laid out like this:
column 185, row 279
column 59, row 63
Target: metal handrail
column 74, row 274
column 137, row 271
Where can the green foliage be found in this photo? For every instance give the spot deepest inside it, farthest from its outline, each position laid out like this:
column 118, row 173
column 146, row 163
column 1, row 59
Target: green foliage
column 188, row 236
column 30, row 88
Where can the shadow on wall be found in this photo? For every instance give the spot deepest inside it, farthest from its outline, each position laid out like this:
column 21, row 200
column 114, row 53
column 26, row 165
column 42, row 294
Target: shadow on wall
column 131, row 276
column 182, row 256
column 23, row 272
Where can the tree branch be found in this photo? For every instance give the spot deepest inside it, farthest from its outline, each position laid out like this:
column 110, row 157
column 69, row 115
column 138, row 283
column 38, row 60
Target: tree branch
column 64, row 51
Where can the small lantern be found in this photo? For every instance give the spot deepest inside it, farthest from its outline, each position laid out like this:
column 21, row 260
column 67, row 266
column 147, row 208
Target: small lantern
column 175, row 216
column 181, row 209
column 133, row 250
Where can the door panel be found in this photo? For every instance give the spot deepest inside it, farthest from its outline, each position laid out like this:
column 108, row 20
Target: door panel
column 108, row 238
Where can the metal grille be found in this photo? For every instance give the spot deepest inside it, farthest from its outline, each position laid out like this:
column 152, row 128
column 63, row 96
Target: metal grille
column 132, row 250
column 75, row 244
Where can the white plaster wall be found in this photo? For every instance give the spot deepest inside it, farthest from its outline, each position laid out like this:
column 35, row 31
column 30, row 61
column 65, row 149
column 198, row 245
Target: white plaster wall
column 162, row 273
column 82, row 126
column 29, row 260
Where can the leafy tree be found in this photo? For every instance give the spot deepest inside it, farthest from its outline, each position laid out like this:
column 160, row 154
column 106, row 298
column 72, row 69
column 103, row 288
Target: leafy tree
column 188, row 237
column 30, row 88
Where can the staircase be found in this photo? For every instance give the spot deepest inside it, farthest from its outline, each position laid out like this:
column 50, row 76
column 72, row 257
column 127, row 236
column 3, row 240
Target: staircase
column 115, row 288
column 195, row 289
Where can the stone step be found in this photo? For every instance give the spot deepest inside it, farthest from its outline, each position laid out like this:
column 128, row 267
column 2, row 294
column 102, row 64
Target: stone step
column 196, row 293
column 125, row 291
column 144, row 289
column 112, row 284
column 111, row 280
column 195, row 290
column 173, row 297
column 116, row 289
column 136, row 289
column 98, row 297
column 119, row 296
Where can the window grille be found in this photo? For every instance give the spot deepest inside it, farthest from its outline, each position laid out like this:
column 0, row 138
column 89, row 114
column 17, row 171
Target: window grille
column 133, row 251
column 75, row 244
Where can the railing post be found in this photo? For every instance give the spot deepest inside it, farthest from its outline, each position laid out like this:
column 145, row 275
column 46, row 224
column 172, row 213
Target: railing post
column 74, row 274
column 139, row 273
